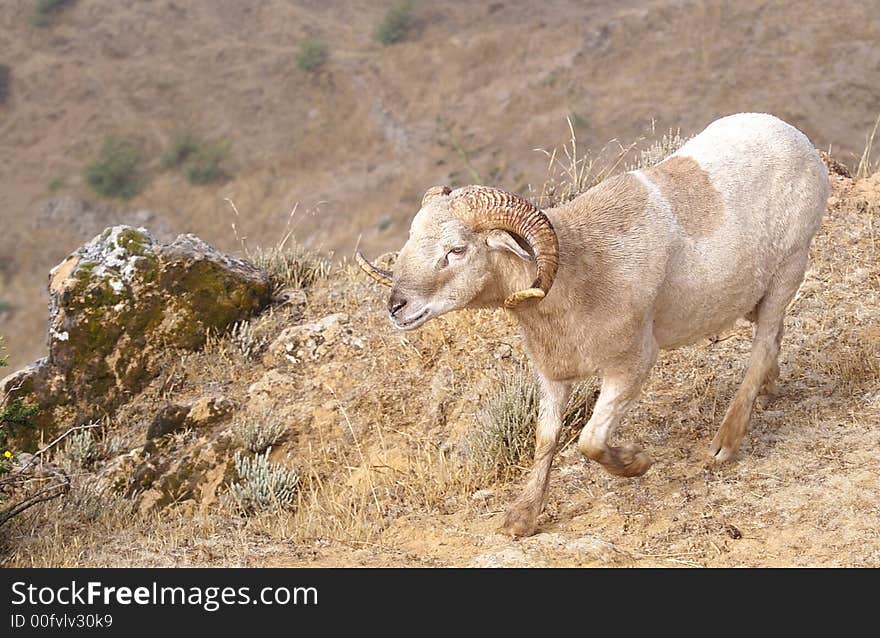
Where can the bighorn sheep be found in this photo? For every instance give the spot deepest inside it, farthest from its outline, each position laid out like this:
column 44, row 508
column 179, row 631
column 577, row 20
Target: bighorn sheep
column 653, row 258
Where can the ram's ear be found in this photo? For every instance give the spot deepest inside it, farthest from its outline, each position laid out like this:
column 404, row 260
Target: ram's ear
column 502, row 240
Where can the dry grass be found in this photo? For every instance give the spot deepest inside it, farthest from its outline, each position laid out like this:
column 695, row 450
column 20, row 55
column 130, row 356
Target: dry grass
column 867, row 166
column 658, row 150
column 573, row 170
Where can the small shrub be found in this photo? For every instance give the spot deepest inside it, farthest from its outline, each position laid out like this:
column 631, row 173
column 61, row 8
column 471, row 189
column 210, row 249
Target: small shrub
column 262, row 485
column 45, row 10
column 257, row 433
column 312, row 55
column 113, row 445
column 249, row 343
column 506, row 424
column 55, row 184
column 116, row 171
column 87, row 503
column 206, row 165
column 293, row 267
column 396, row 24
column 504, row 440
column 80, row 451
column 13, row 415
column 183, row 146
column 5, row 82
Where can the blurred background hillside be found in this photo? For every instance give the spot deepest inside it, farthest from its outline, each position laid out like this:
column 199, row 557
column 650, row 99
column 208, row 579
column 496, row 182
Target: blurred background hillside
column 155, row 112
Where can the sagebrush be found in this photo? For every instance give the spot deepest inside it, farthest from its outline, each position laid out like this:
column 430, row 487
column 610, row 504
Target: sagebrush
column 262, row 485
column 503, row 440
column 258, row 432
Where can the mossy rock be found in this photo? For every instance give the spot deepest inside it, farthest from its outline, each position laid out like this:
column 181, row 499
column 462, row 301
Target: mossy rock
column 119, row 302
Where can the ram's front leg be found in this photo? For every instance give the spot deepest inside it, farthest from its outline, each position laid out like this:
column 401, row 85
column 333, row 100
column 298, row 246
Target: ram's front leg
column 620, row 389
column 523, row 514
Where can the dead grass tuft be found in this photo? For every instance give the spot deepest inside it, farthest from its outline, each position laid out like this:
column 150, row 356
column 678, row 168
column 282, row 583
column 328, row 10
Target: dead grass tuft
column 867, row 166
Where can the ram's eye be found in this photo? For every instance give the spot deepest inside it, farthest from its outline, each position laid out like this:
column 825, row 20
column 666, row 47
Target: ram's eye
column 458, row 250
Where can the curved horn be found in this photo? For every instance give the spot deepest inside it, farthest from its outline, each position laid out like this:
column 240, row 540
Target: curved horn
column 382, row 276
column 485, row 208
column 435, row 191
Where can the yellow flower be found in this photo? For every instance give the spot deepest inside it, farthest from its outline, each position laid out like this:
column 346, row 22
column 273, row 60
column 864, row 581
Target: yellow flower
column 7, row 454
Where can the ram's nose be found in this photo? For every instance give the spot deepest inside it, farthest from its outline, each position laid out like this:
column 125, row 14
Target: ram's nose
column 396, row 303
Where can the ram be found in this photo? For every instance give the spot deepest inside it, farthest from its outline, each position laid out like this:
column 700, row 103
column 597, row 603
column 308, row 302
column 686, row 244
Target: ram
column 651, row 259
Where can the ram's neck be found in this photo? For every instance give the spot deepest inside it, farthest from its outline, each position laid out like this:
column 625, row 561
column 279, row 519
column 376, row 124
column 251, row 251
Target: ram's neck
column 509, row 274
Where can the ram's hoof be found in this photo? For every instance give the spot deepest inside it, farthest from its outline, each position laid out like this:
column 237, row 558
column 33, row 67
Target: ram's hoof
column 519, row 522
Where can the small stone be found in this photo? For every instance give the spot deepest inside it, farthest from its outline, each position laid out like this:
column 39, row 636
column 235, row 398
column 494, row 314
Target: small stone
column 508, row 557
column 482, row 495
column 503, row 351
column 208, row 410
column 548, row 540
column 595, row 548
column 167, row 420
column 308, row 341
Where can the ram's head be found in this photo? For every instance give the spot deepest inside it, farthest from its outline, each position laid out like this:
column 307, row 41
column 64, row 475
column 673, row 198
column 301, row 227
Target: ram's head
column 446, row 264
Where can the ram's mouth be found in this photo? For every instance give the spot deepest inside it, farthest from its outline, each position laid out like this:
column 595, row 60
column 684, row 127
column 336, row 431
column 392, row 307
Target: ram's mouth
column 411, row 323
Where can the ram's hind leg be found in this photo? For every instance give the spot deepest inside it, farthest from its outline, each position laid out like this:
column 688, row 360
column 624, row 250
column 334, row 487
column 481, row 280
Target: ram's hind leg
column 763, row 369
column 769, row 388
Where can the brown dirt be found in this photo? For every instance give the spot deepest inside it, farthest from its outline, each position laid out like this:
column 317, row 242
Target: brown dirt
column 384, row 483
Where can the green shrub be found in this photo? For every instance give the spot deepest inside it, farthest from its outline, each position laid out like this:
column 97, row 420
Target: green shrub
column 13, row 414
column 116, row 171
column 183, row 146
column 5, row 82
column 206, row 165
column 312, row 55
column 45, row 10
column 202, row 163
column 396, row 24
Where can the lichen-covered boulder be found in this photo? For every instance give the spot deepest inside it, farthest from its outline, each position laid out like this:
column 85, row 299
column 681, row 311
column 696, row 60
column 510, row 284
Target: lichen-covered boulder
column 122, row 300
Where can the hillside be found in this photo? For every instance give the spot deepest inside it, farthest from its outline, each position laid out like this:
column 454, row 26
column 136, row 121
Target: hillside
column 383, row 428
column 467, row 96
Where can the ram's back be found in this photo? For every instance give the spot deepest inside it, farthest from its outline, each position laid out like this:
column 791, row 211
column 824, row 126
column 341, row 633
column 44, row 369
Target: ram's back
column 738, row 199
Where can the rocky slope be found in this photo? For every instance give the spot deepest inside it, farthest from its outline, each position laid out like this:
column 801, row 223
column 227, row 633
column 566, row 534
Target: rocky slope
column 372, row 431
